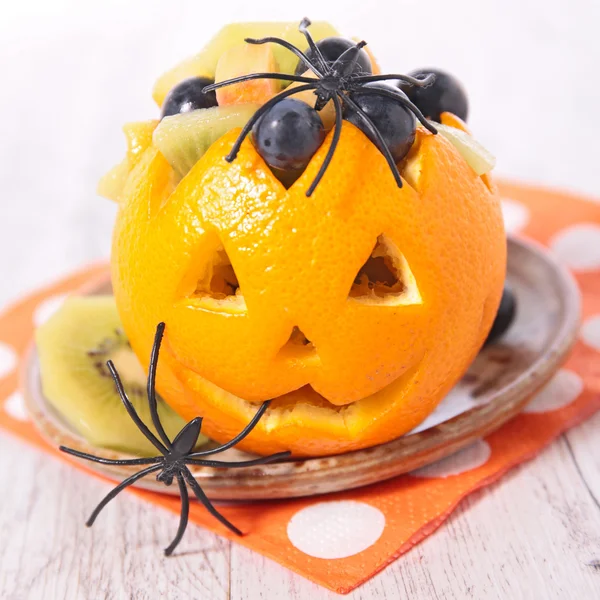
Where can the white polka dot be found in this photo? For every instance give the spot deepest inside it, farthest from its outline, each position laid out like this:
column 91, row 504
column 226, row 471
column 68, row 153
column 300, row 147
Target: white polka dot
column 8, row 359
column 516, row 215
column 336, row 529
column 563, row 388
column 15, row 407
column 47, row 308
column 590, row 332
column 464, row 460
column 578, row 246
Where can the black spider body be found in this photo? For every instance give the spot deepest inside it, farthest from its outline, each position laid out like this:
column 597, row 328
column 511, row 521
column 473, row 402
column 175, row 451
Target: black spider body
column 332, row 82
column 176, row 455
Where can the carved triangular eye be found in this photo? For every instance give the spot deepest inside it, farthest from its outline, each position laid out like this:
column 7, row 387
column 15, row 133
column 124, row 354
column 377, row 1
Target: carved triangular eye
column 217, row 284
column 219, row 279
column 385, row 278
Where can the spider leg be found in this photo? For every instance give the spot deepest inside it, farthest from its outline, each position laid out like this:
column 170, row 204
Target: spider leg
column 337, row 131
column 132, row 412
column 303, row 28
column 199, row 493
column 405, row 102
column 127, row 482
column 160, row 330
column 291, row 48
column 380, row 141
column 406, row 78
column 183, row 519
column 110, row 461
column 233, row 465
column 239, row 437
column 341, row 66
column 280, row 76
column 261, row 111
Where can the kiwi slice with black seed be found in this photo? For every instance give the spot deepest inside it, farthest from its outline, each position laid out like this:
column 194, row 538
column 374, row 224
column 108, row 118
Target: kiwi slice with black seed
column 73, row 347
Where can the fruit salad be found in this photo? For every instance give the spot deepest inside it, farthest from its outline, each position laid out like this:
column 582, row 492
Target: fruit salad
column 311, row 230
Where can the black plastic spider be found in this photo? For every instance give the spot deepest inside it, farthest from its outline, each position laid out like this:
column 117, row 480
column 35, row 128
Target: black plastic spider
column 334, row 82
column 176, row 454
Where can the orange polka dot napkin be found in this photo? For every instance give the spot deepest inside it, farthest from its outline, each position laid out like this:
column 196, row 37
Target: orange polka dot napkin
column 343, row 539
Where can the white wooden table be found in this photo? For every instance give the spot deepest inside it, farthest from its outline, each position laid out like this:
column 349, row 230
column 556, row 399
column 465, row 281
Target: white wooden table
column 71, row 73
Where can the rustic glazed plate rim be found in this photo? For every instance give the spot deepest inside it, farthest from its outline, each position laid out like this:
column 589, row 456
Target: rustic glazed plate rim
column 335, row 473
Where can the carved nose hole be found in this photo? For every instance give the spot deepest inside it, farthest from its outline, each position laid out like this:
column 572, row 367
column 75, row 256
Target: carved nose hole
column 299, row 348
column 385, row 277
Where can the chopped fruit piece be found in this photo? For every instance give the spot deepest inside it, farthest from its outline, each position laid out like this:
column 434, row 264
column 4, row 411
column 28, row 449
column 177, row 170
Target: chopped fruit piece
column 396, row 123
column 479, row 159
column 327, row 114
column 332, row 48
column 505, row 316
column 243, row 60
column 74, row 346
column 183, row 139
column 139, row 138
column 289, row 134
column 112, row 183
column 204, row 64
column 445, row 94
column 454, row 121
column 189, row 95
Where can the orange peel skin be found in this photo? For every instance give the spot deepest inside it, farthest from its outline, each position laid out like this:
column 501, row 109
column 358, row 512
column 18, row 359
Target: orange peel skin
column 260, row 289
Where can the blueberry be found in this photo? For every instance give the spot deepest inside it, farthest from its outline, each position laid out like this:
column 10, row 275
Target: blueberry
column 187, row 96
column 332, row 48
column 505, row 316
column 288, row 135
column 445, row 94
column 396, row 123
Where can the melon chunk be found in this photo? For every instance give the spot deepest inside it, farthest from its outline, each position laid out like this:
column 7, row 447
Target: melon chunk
column 244, row 59
column 139, row 138
column 480, row 159
column 204, row 64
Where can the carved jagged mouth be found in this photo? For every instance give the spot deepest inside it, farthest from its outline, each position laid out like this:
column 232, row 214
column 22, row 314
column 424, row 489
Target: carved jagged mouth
column 306, row 402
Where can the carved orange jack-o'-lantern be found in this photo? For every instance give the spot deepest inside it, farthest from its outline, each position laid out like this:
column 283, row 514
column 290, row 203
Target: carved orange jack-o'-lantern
column 355, row 310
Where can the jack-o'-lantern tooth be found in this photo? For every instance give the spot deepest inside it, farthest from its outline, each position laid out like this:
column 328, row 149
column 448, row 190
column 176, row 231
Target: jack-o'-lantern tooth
column 385, row 278
column 217, row 287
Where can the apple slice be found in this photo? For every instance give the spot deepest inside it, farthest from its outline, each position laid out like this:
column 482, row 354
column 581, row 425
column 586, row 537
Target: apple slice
column 244, row 59
column 204, row 63
column 327, row 114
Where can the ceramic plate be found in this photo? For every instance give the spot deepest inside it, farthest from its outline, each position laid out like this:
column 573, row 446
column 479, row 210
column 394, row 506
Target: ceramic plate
column 497, row 386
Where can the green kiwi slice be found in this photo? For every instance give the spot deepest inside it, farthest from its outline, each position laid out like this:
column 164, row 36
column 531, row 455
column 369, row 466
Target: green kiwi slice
column 184, row 138
column 73, row 347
